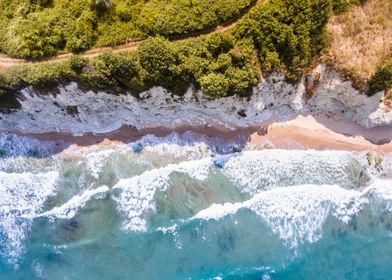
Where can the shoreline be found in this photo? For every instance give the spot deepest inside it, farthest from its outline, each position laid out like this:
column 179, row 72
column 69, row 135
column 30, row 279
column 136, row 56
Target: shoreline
column 317, row 132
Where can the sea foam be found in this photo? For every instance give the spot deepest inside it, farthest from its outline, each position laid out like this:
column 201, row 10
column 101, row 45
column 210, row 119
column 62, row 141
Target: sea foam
column 136, row 196
column 22, row 198
column 69, row 209
column 297, row 213
column 254, row 171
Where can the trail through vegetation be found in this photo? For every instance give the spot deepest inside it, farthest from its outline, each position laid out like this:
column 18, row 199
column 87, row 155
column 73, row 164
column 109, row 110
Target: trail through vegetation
column 132, row 45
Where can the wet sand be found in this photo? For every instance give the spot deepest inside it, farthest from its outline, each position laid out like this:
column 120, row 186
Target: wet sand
column 319, row 132
column 325, row 133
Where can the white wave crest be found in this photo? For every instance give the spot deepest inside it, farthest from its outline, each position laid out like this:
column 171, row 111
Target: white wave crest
column 297, row 214
column 97, row 160
column 69, row 209
column 22, row 197
column 136, row 198
column 255, row 171
column 188, row 145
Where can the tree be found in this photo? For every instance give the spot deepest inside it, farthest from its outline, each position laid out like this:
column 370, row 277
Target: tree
column 77, row 63
column 158, row 58
column 382, row 79
column 214, row 85
column 241, row 79
column 84, row 34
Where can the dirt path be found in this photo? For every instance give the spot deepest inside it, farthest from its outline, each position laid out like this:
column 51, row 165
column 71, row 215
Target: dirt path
column 6, row 62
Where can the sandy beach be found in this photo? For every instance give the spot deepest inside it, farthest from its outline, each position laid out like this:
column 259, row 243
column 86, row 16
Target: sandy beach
column 325, row 133
column 318, row 132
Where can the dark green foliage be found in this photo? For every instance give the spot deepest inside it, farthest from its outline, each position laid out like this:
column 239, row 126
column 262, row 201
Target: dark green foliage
column 340, row 6
column 241, row 79
column 157, row 57
column 101, row 5
column 168, row 17
column 113, row 71
column 287, row 33
column 41, row 3
column 41, row 28
column 2, row 82
column 8, row 102
column 37, row 40
column 382, row 79
column 82, row 38
column 48, row 75
column 77, row 63
column 214, row 85
column 7, row 98
column 216, row 64
column 281, row 34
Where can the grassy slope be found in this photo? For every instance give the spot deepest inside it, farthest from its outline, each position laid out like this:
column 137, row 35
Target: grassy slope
column 361, row 44
column 361, row 38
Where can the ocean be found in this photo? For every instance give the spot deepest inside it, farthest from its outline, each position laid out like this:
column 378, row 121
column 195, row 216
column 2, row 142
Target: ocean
column 185, row 206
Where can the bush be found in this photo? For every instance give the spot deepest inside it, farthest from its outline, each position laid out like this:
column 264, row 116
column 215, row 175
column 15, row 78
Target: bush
column 41, row 38
column 340, row 6
column 39, row 28
column 286, row 33
column 48, row 75
column 77, row 63
column 84, row 34
column 171, row 17
column 241, row 79
column 382, row 79
column 158, row 58
column 214, row 85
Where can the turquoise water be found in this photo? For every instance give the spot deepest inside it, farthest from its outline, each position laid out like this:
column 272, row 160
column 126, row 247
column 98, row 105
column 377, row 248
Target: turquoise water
column 189, row 207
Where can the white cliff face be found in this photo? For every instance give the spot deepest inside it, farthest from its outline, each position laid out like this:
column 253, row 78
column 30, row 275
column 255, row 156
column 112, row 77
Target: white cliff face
column 78, row 112
column 334, row 95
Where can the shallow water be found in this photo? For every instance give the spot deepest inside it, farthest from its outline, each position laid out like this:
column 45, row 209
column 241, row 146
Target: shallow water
column 189, row 207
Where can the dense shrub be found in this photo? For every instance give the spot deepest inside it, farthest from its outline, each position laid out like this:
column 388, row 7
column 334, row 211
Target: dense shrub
column 340, row 6
column 77, row 63
column 282, row 34
column 382, row 79
column 214, row 85
column 40, row 28
column 82, row 38
column 157, row 57
column 101, row 5
column 116, row 70
column 286, row 33
column 42, row 37
column 168, row 17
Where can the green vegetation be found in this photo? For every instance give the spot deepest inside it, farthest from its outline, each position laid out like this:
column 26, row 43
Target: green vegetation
column 382, row 79
column 287, row 33
column 7, row 98
column 282, row 35
column 374, row 161
column 40, row 28
column 341, row 6
column 168, row 17
column 215, row 62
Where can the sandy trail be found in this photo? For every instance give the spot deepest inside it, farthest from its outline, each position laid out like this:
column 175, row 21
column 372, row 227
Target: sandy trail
column 6, row 62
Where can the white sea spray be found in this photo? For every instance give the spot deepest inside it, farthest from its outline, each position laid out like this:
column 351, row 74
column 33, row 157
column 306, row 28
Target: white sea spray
column 22, row 198
column 136, row 196
column 297, row 214
column 69, row 209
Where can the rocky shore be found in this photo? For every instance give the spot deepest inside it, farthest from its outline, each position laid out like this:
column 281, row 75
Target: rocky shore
column 321, row 111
